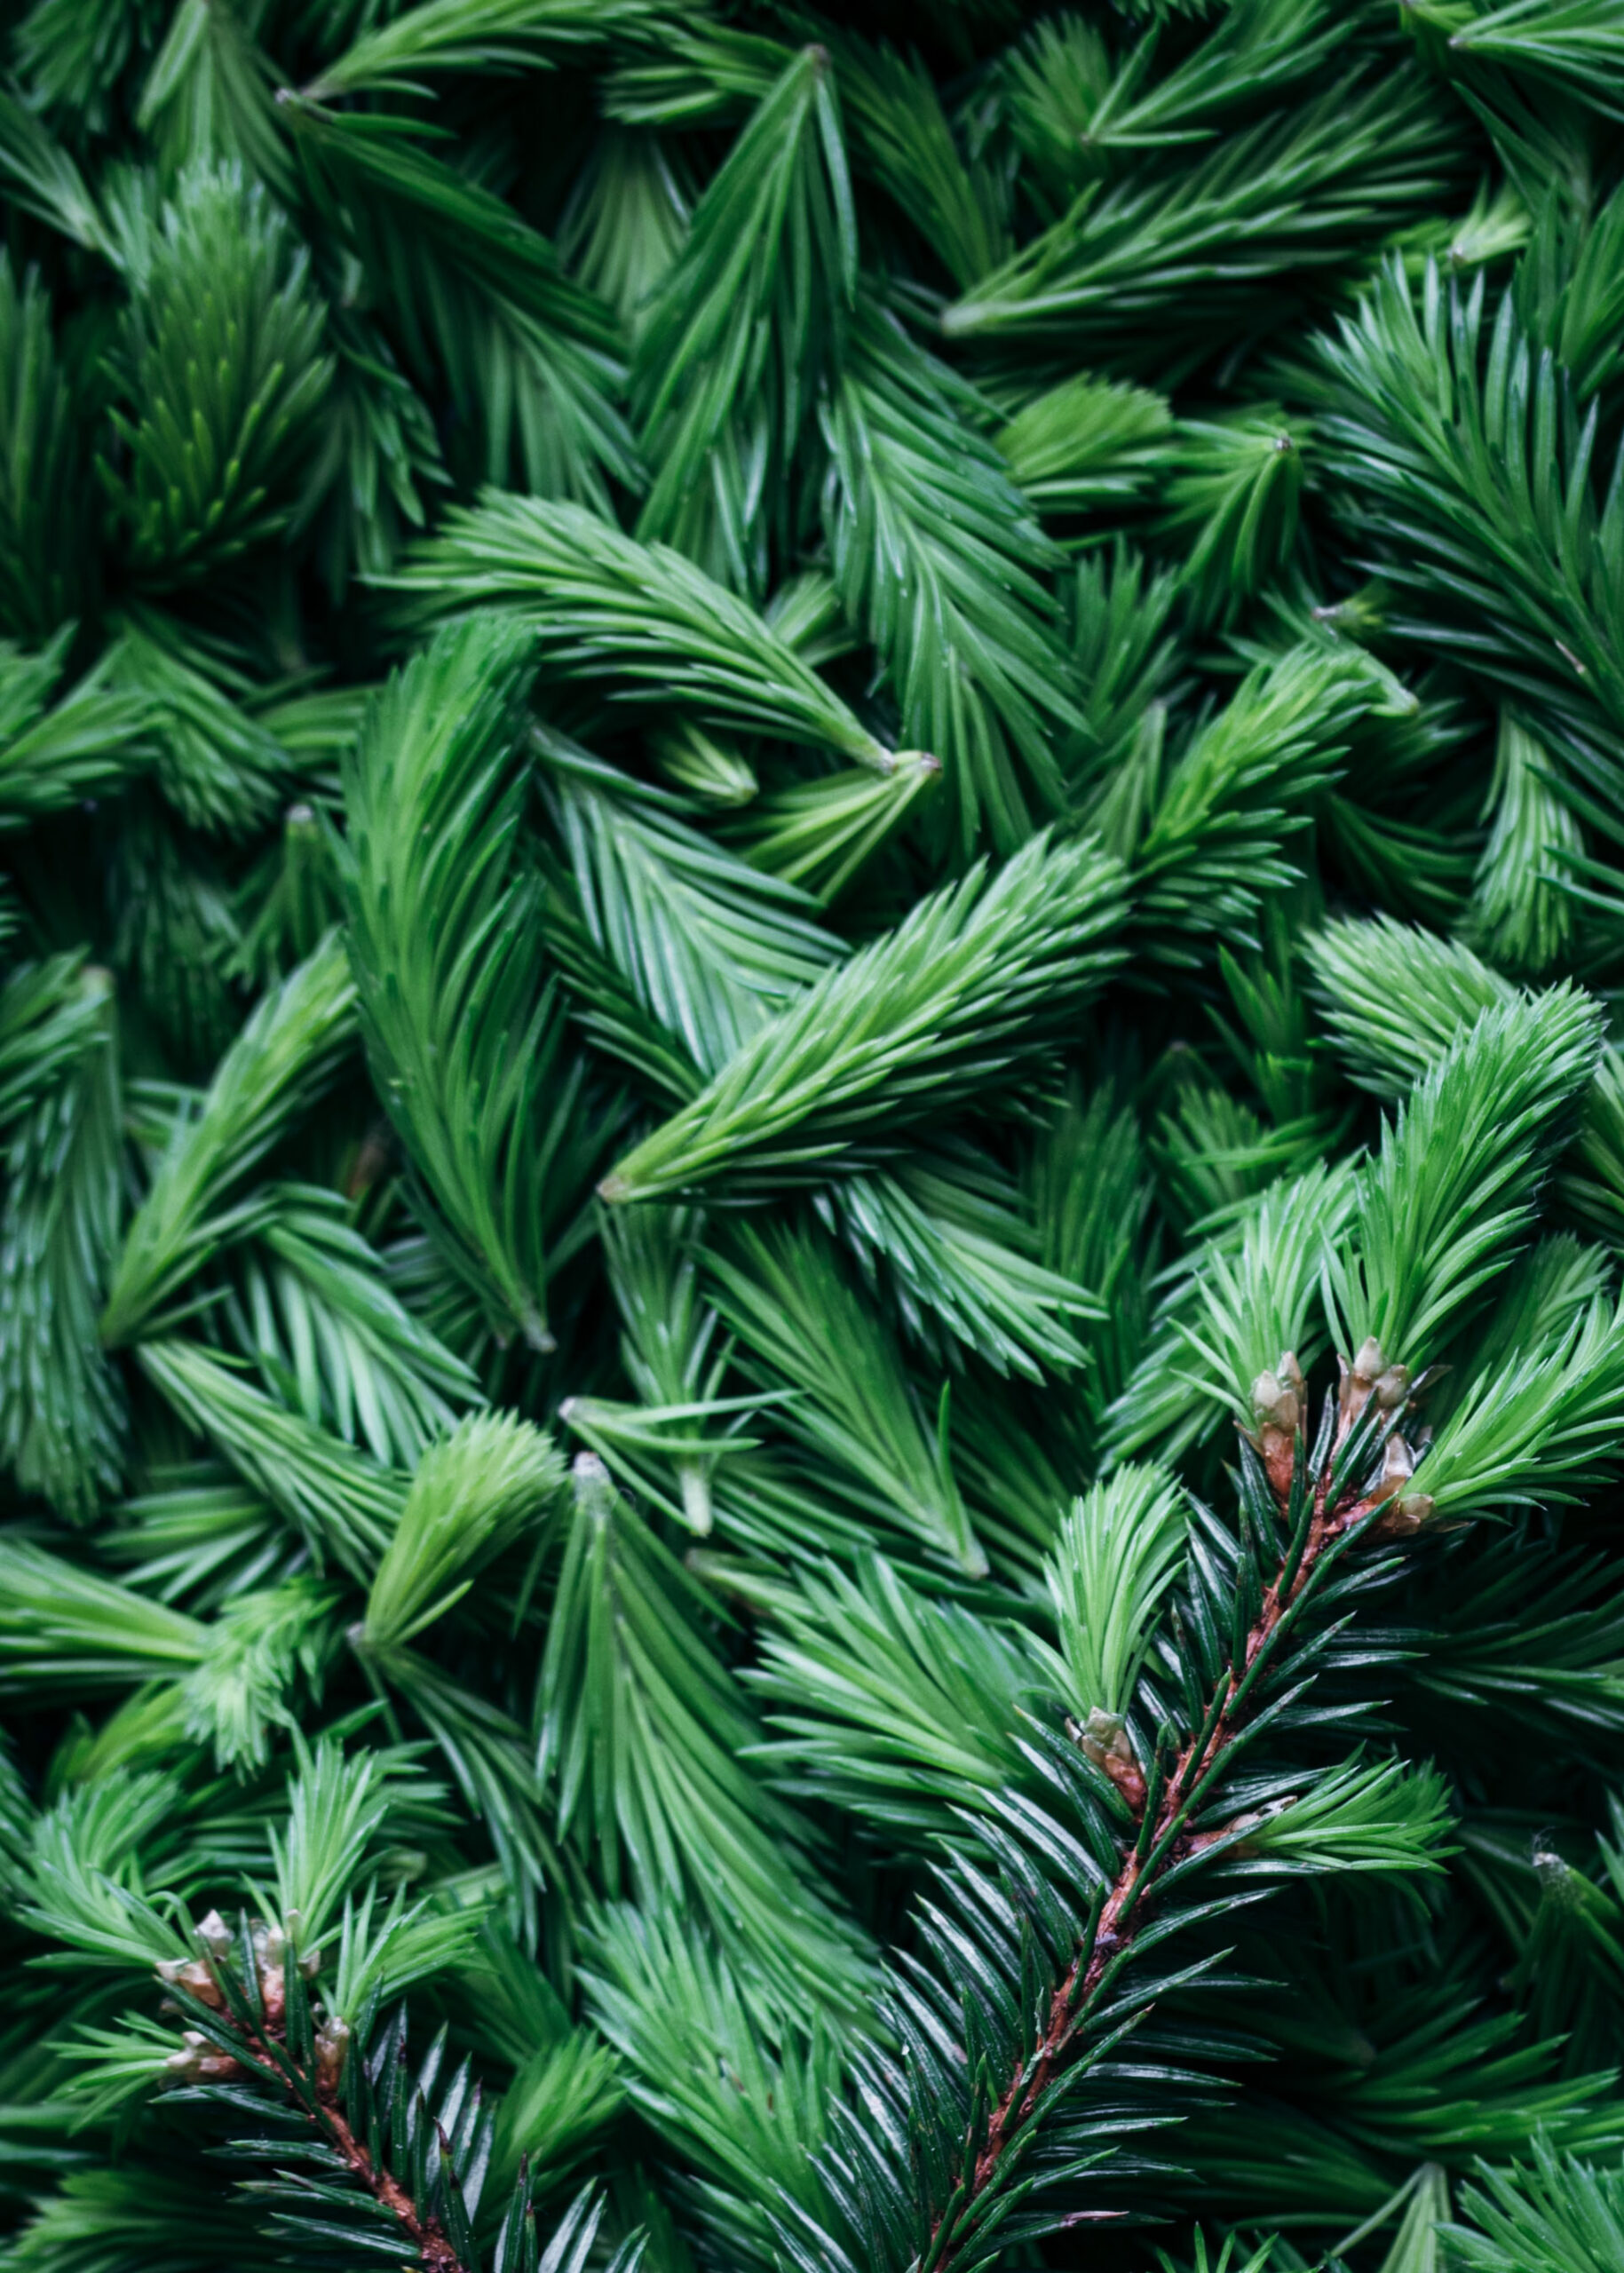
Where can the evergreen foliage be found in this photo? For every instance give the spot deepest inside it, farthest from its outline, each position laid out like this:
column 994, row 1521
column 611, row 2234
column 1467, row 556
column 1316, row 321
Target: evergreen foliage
column 811, row 1137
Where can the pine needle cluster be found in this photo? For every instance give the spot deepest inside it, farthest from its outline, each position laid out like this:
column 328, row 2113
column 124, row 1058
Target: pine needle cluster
column 811, row 1136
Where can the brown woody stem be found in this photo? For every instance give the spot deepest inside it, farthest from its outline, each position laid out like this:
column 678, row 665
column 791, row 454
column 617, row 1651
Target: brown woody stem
column 425, row 2234
column 1149, row 1858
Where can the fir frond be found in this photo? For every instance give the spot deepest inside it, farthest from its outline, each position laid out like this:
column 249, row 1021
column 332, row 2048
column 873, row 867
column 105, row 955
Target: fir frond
column 1089, row 1197
column 489, row 36
column 1087, row 444
column 820, row 834
column 462, row 1030
column 339, row 1502
column 197, row 1536
column 56, row 753
column 66, row 1629
column 73, row 65
column 222, row 368
column 361, row 2151
column 1077, row 114
column 1560, row 2216
column 1543, row 1425
column 221, row 770
column 903, row 139
column 1213, row 839
column 892, row 1705
column 1520, row 916
column 61, row 1406
column 1250, row 1292
column 1453, row 1186
column 745, row 327
column 668, row 1350
column 956, row 1258
column 366, row 489
column 1113, row 1560
column 1275, row 201
column 477, row 303
column 710, row 949
column 208, row 97
column 1395, row 997
column 640, row 1728
column 627, row 219
column 285, row 1056
column 752, row 2111
column 1439, row 408
column 934, row 549
column 475, row 1493
column 974, row 979
column 176, row 937
column 805, row 1329
column 1233, row 490
column 598, row 604
column 1573, row 42
column 45, row 180
column 310, row 1306
column 43, row 513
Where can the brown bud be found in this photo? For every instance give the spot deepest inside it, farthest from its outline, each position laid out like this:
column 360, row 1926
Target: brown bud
column 1106, row 1742
column 1273, row 1407
column 1404, row 1516
column 1249, row 1821
column 1279, row 1401
column 1397, row 1463
column 1392, row 1388
column 332, row 2043
column 1369, row 1376
column 309, row 1960
column 199, row 2062
column 270, row 1953
column 193, row 1974
column 216, row 1935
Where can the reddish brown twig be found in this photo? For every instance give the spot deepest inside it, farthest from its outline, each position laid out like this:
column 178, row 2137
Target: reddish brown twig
column 1150, row 1858
column 426, row 2235
column 317, row 2090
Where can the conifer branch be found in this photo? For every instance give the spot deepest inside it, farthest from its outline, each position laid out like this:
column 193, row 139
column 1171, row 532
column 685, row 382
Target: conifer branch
column 976, row 977
column 934, row 548
column 974, row 666
column 596, row 602
column 288, row 1051
column 1273, row 200
column 770, row 257
column 1325, row 1503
